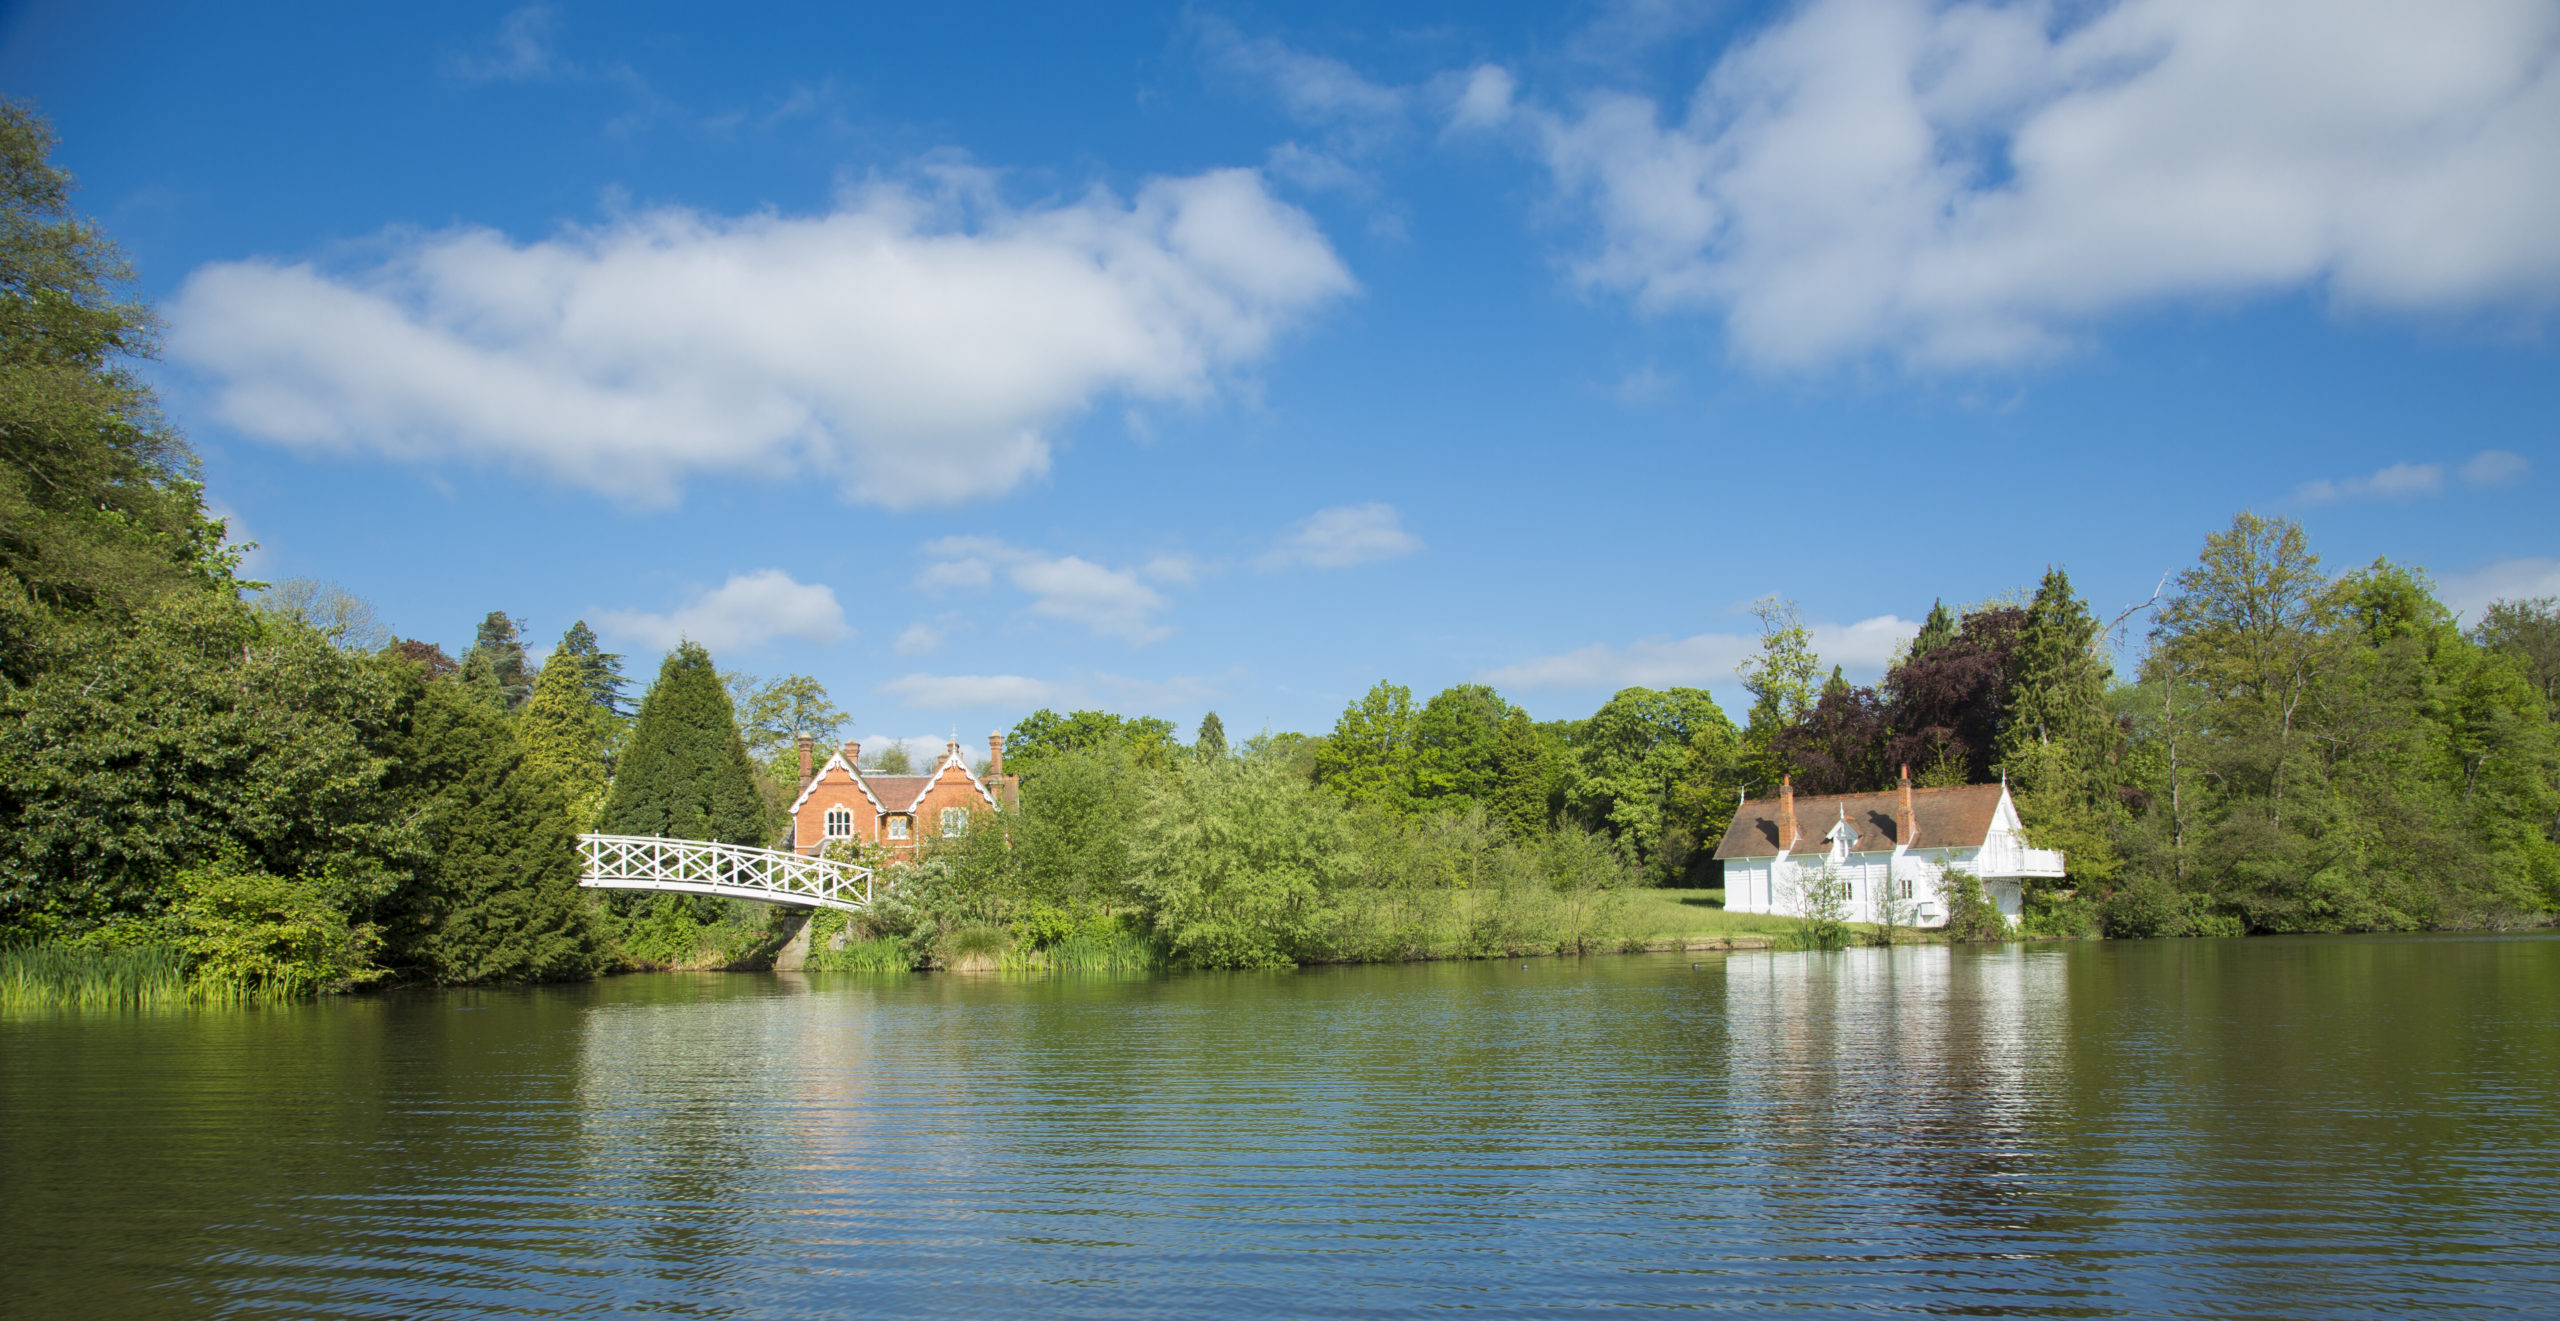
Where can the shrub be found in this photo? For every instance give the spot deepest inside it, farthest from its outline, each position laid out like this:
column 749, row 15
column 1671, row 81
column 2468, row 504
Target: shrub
column 1236, row 860
column 251, row 936
column 1970, row 913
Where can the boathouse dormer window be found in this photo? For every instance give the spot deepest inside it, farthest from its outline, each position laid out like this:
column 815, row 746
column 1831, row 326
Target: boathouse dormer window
column 954, row 821
column 897, row 827
column 839, row 823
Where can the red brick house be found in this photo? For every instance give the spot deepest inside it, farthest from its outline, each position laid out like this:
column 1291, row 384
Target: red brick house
column 901, row 813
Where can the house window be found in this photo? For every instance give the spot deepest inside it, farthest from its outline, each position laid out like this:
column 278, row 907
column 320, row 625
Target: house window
column 954, row 821
column 897, row 827
column 839, row 823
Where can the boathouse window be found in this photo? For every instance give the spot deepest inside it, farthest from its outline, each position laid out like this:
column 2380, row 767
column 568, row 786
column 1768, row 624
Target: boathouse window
column 839, row 823
column 897, row 827
column 954, row 821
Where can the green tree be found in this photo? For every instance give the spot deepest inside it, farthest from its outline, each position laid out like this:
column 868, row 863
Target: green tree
column 495, row 667
column 567, row 732
column 891, row 758
column 1782, row 680
column 1045, row 734
column 1210, row 744
column 2529, row 631
column 99, row 509
column 1235, row 860
column 497, row 898
column 1632, row 752
column 2058, row 745
column 685, row 774
column 1936, row 631
column 1523, row 777
column 1368, row 757
column 198, row 726
column 1456, row 751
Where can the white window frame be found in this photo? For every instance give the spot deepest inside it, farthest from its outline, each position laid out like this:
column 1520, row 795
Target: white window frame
column 955, row 820
column 839, row 822
column 898, row 826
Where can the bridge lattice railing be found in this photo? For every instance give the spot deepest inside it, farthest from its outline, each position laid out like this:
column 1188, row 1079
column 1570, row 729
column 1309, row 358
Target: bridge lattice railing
column 695, row 866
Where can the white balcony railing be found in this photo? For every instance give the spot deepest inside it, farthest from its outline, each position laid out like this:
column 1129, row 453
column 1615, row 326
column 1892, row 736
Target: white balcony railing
column 2003, row 858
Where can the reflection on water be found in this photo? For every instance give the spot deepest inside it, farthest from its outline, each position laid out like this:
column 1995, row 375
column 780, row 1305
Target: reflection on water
column 2337, row 1126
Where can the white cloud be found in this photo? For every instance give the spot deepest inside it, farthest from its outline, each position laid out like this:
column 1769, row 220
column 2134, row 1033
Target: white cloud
column 2400, row 481
column 2469, row 594
column 919, row 639
column 1343, row 536
column 1314, row 89
column 1484, row 100
column 2495, row 468
column 1862, row 649
column 749, row 610
column 520, row 51
column 944, row 692
column 1110, row 602
column 913, row 344
column 2411, row 481
column 1972, row 184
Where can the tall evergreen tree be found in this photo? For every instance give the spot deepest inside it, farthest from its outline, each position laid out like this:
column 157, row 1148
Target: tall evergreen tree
column 567, row 735
column 2058, row 743
column 495, row 667
column 1936, row 631
column 606, row 686
column 1210, row 744
column 1522, row 777
column 684, row 773
column 497, row 897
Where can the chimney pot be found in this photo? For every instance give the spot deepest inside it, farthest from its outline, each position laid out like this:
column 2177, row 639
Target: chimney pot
column 995, row 755
column 853, row 755
column 1788, row 831
column 805, row 752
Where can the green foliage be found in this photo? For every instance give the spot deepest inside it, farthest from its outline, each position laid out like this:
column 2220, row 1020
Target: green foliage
column 1970, row 913
column 1235, row 861
column 569, row 728
column 497, row 898
column 2331, row 754
column 1455, row 758
column 196, row 727
column 2528, row 632
column 1045, row 735
column 1523, row 777
column 1210, row 743
column 2059, row 744
column 1654, row 769
column 495, row 666
column 99, row 512
column 249, row 936
column 685, row 774
column 1367, row 758
column 1781, row 680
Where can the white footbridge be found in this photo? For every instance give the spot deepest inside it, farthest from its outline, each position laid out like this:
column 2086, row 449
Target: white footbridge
column 694, row 866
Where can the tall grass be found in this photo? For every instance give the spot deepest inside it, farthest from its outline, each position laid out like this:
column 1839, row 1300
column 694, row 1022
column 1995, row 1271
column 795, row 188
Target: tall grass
column 1085, row 951
column 861, row 954
column 55, row 975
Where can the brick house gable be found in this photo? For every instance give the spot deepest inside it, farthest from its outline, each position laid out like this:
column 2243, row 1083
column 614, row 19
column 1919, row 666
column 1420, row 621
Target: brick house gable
column 898, row 812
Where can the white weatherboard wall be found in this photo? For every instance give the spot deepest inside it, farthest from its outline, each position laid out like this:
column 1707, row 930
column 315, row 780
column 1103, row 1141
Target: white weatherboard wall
column 1915, row 878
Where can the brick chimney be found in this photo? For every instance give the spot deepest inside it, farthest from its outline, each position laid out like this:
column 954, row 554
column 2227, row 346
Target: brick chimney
column 1788, row 831
column 995, row 755
column 807, row 747
column 853, row 756
column 1906, row 822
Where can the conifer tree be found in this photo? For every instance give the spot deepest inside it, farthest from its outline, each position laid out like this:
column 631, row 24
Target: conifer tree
column 497, row 898
column 2059, row 732
column 603, row 672
column 684, row 773
column 495, row 666
column 1521, row 776
column 1210, row 744
column 1936, row 631
column 567, row 735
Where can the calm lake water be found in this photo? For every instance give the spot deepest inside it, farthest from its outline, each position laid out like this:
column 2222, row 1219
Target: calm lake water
column 2268, row 1127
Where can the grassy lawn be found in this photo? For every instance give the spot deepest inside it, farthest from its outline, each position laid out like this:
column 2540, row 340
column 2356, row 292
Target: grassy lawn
column 1695, row 914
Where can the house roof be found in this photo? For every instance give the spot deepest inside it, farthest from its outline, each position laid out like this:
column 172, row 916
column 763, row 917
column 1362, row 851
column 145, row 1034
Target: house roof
column 1958, row 817
column 897, row 793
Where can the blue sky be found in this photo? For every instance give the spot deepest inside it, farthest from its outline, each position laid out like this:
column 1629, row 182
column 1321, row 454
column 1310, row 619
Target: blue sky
column 1189, row 357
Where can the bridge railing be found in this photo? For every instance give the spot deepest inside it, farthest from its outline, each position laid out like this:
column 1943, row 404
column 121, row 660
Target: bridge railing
column 696, row 866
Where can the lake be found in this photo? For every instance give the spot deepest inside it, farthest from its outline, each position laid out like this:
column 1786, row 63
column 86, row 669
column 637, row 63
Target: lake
column 2321, row 1126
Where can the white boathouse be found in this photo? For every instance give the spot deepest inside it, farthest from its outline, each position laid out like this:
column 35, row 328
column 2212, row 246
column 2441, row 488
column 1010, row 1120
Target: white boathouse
column 1887, row 848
